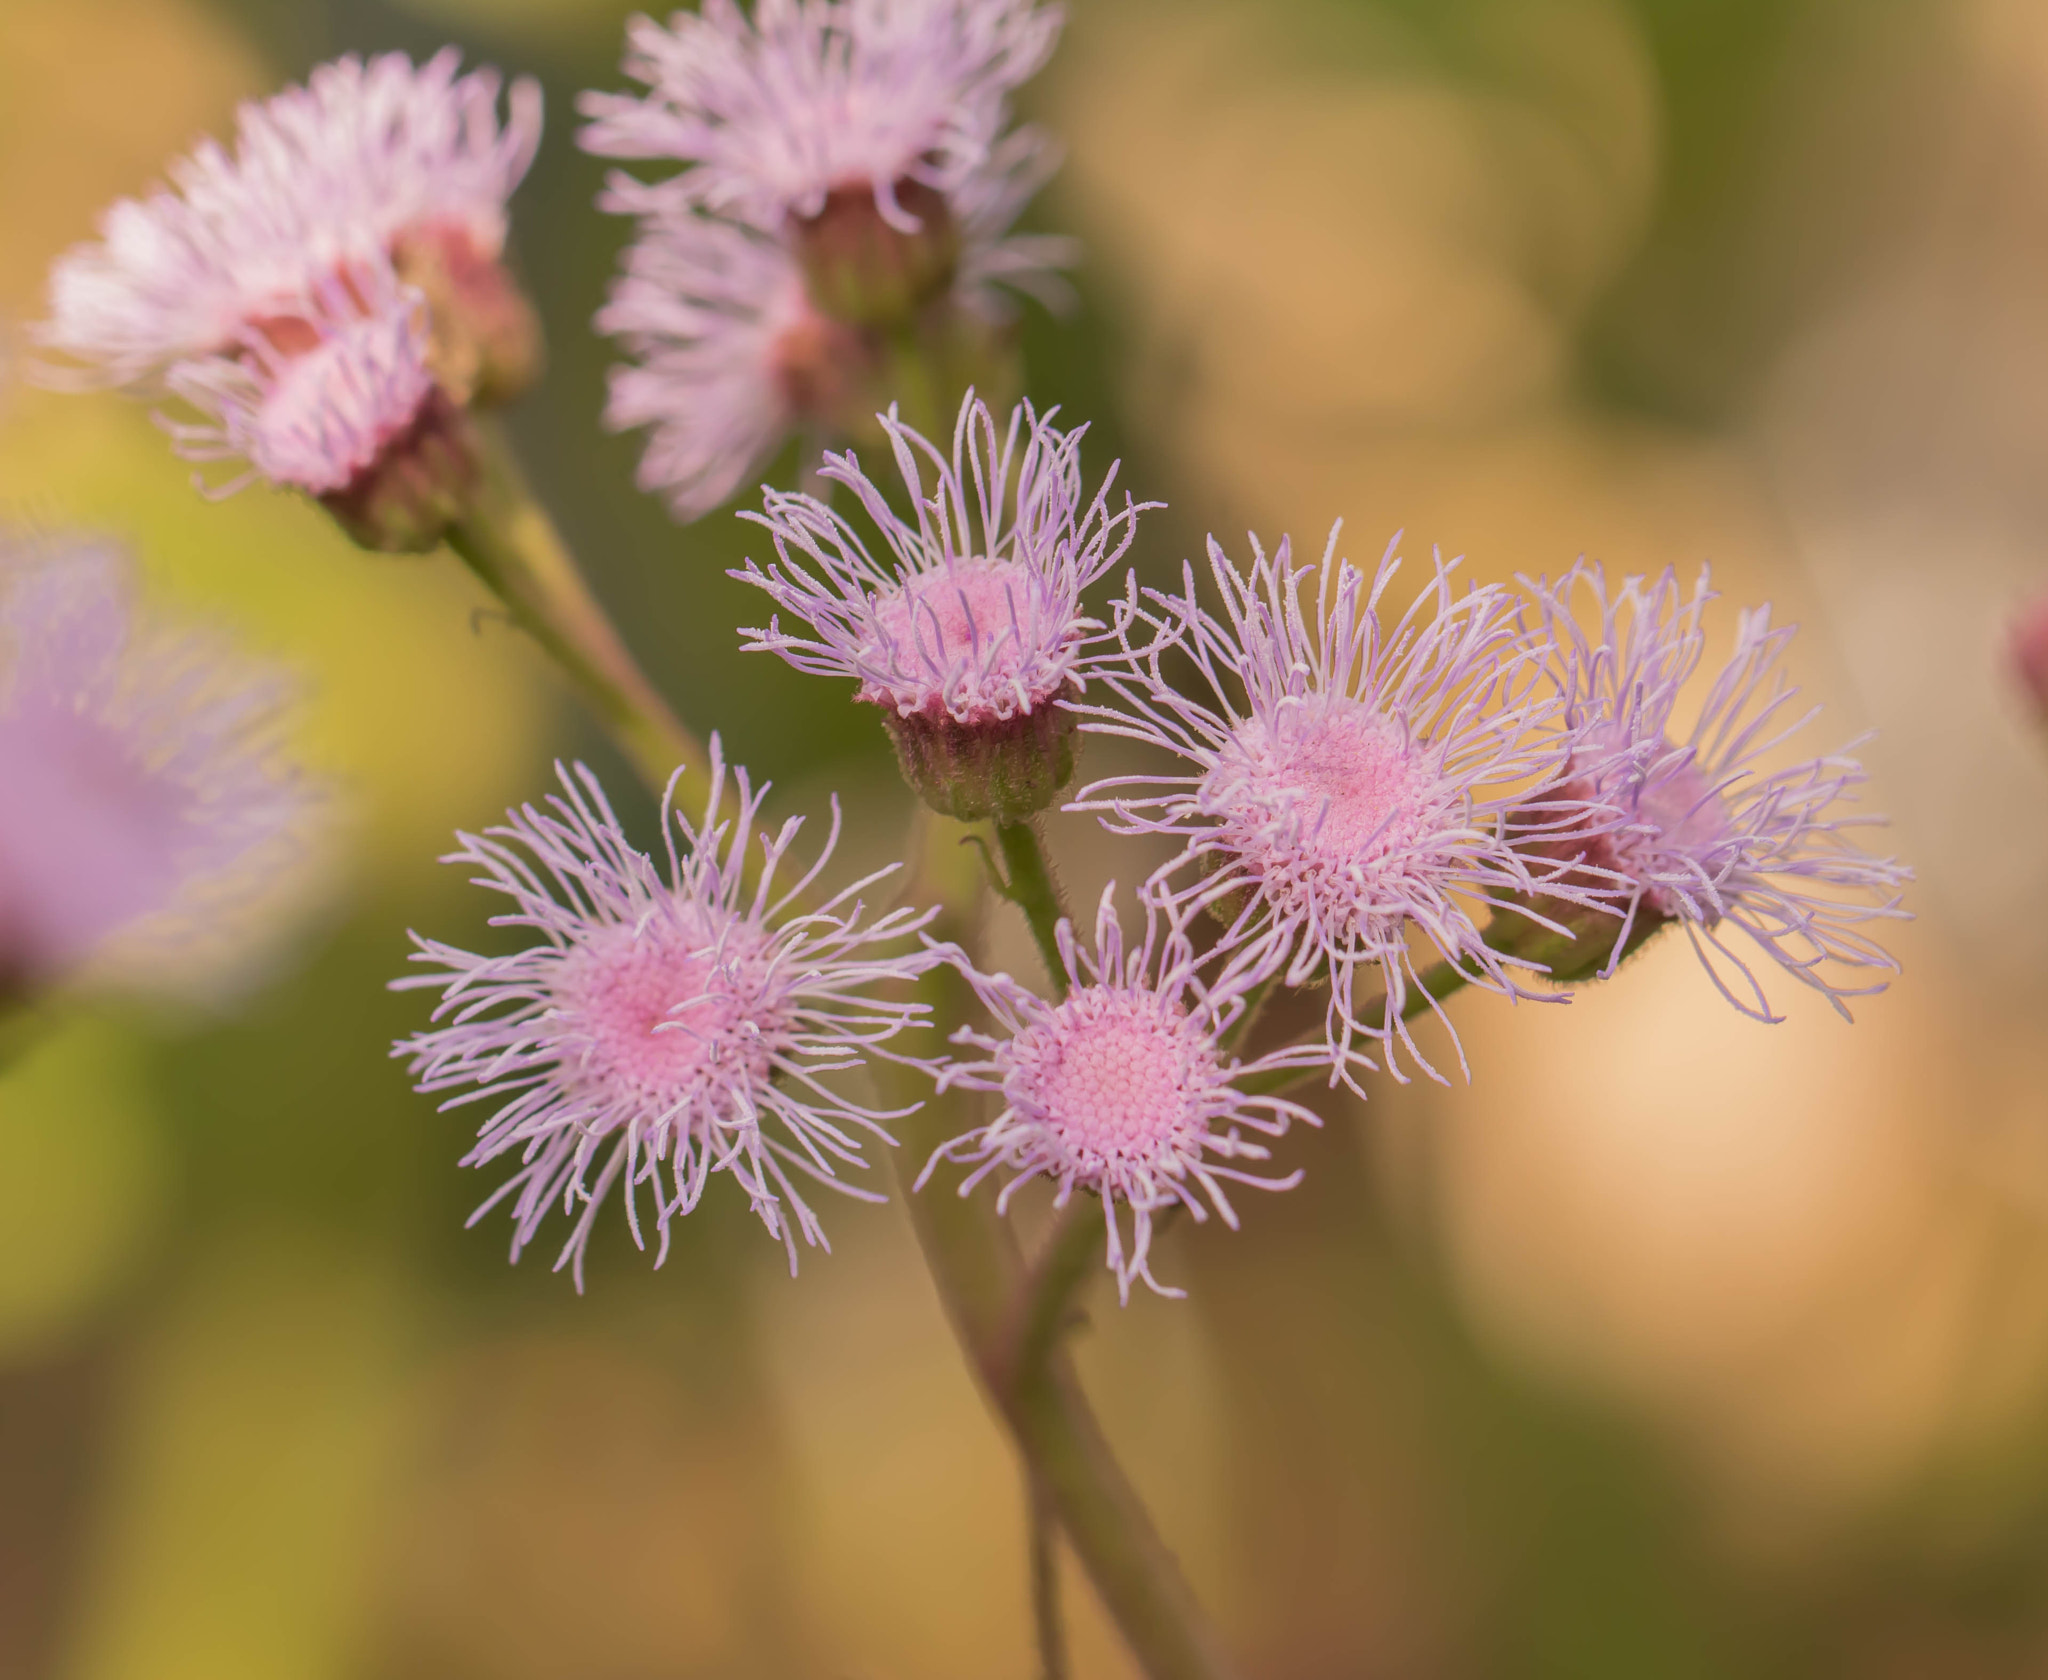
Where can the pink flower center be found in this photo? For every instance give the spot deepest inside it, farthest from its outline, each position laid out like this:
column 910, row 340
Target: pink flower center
column 1117, row 1079
column 1331, row 785
column 952, row 633
column 653, row 1018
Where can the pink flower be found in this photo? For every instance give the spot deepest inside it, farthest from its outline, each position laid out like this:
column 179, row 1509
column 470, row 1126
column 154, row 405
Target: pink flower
column 729, row 356
column 319, row 413
column 973, row 612
column 771, row 114
column 1342, row 782
column 1126, row 1088
column 1708, row 834
column 324, row 181
column 153, row 826
column 668, row 1025
column 848, row 170
column 2030, row 653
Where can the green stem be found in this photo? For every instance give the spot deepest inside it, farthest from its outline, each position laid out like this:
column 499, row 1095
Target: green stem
column 1031, row 888
column 1045, row 1582
column 974, row 1261
column 509, row 541
column 1044, row 1309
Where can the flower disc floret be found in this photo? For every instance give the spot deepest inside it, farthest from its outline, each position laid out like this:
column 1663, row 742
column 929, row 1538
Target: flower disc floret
column 670, row 1025
column 1345, row 781
column 1123, row 1088
column 1705, row 831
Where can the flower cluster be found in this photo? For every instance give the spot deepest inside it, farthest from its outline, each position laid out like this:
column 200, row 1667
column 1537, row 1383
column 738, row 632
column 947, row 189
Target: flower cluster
column 1372, row 796
column 669, row 1025
column 153, row 821
column 326, row 293
column 848, row 173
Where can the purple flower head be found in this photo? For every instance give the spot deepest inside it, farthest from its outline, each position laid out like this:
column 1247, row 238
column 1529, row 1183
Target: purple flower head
column 729, row 356
column 974, row 612
column 153, row 827
column 668, row 1025
column 318, row 411
column 323, row 181
column 1344, row 781
column 1126, row 1088
column 772, row 114
column 1707, row 834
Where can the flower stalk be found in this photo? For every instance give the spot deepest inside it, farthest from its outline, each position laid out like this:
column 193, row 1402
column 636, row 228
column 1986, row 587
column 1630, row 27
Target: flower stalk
column 1028, row 883
column 975, row 1262
column 508, row 540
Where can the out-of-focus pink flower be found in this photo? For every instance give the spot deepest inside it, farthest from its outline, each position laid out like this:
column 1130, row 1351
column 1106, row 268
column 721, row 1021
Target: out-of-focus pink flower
column 668, row 1025
column 848, row 169
column 770, row 114
column 151, row 823
column 729, row 356
column 319, row 415
column 1124, row 1088
column 324, row 181
column 2030, row 653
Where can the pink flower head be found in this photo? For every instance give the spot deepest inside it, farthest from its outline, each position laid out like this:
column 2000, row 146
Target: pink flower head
column 152, row 825
column 318, row 412
column 1708, row 835
column 773, row 113
column 1343, row 781
column 975, row 611
column 729, row 356
column 668, row 1025
column 1125, row 1088
column 324, row 181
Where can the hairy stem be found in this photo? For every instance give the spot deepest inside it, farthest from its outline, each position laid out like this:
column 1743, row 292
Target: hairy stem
column 975, row 1263
column 1031, row 888
column 509, row 541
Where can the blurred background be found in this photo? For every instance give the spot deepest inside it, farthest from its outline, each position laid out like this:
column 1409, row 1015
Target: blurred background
column 1673, row 1345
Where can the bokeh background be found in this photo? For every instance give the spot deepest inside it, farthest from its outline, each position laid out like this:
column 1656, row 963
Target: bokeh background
column 1673, row 1345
